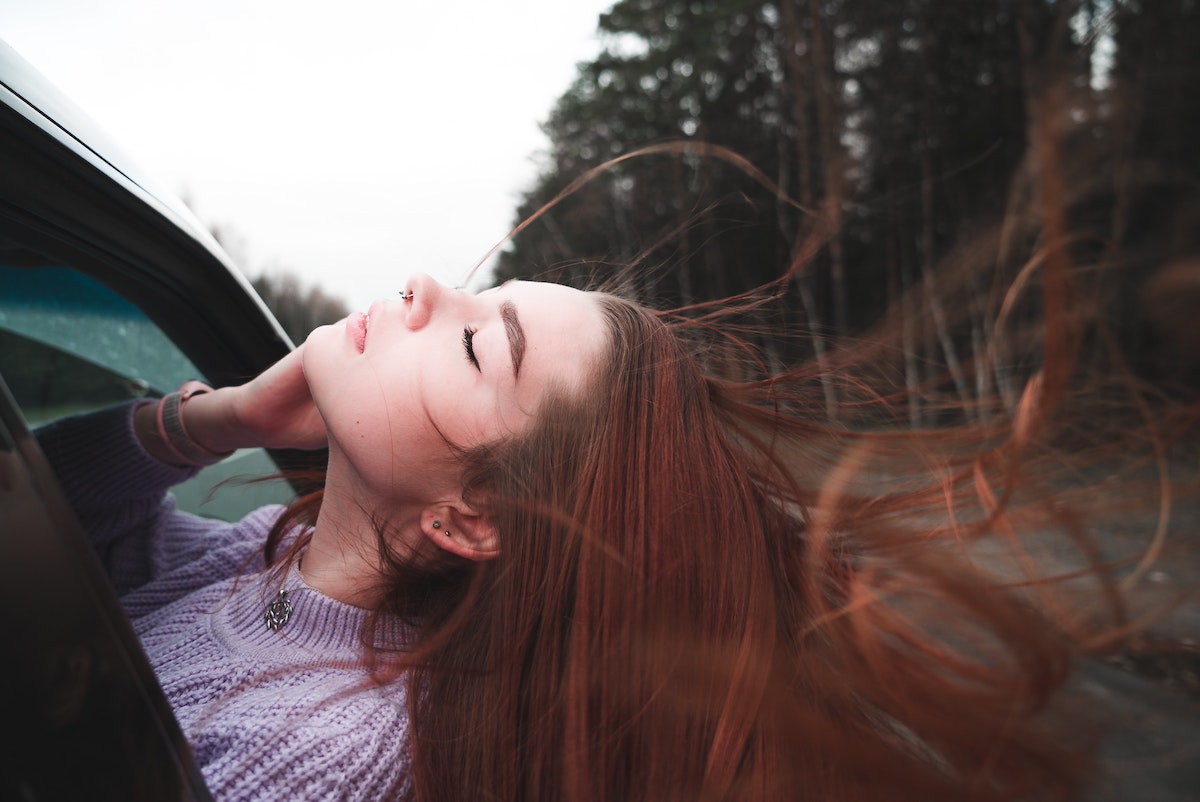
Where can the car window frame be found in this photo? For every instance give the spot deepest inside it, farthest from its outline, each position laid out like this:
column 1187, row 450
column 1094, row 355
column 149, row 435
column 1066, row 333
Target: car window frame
column 69, row 195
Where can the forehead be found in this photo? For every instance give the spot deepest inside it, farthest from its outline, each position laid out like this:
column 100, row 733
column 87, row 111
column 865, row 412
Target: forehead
column 564, row 330
column 539, row 293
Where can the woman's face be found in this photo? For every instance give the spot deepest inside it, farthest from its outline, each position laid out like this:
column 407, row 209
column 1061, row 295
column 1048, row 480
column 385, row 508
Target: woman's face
column 395, row 384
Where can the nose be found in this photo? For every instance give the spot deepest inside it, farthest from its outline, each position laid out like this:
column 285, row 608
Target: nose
column 427, row 296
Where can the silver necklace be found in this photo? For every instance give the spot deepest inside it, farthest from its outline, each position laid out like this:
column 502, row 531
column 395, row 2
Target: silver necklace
column 279, row 610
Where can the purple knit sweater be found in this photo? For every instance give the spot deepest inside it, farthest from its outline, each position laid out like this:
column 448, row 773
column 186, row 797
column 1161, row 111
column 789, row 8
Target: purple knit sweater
column 289, row 714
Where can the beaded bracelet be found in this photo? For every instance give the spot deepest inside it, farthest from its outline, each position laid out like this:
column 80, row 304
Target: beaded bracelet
column 173, row 434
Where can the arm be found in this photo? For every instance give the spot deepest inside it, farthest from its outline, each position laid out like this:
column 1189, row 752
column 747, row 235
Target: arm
column 274, row 410
column 116, row 471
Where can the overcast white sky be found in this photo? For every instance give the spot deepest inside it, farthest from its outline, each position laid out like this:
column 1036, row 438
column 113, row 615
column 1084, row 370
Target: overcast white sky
column 352, row 142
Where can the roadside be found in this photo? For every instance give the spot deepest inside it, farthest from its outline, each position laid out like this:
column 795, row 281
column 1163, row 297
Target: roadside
column 1151, row 752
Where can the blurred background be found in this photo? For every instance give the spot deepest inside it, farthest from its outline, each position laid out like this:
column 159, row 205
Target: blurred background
column 335, row 150
column 935, row 157
column 337, row 146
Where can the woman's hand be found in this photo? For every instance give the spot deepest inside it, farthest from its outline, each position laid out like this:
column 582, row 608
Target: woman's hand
column 274, row 410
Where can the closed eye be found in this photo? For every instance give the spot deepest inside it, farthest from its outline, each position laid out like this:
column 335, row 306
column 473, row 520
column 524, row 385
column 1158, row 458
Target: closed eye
column 468, row 341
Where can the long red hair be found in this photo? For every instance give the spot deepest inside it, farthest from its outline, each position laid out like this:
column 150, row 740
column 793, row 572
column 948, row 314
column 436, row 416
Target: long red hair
column 707, row 589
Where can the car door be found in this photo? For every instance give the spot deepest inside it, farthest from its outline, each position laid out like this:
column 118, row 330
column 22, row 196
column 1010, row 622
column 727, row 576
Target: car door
column 84, row 714
column 109, row 290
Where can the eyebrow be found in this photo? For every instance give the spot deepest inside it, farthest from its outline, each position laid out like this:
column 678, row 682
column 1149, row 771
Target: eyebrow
column 516, row 335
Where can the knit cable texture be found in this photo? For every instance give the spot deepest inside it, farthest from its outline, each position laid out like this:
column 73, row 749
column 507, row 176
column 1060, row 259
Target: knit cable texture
column 289, row 714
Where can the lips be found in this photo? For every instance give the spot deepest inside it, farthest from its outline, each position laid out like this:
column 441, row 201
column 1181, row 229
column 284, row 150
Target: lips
column 357, row 326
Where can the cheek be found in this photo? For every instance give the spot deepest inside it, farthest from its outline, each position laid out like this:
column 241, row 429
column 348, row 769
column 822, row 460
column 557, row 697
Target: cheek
column 392, row 449
column 480, row 414
column 356, row 406
column 357, row 427
column 454, row 415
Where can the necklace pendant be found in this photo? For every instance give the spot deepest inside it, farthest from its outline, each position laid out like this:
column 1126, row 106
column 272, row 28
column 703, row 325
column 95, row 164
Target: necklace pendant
column 278, row 611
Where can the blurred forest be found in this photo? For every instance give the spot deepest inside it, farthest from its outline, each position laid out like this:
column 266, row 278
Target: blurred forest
column 298, row 307
column 900, row 130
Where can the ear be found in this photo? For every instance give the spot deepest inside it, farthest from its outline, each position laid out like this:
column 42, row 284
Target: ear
column 456, row 527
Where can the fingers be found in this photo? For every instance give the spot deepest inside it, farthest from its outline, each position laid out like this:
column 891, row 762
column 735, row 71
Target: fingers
column 276, row 410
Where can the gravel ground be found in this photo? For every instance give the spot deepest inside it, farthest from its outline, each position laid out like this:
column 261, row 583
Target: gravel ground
column 1149, row 692
column 1152, row 752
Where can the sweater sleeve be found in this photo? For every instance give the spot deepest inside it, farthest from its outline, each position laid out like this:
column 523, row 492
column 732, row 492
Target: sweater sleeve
column 119, row 493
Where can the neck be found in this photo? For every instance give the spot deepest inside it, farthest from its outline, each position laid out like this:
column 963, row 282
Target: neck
column 342, row 560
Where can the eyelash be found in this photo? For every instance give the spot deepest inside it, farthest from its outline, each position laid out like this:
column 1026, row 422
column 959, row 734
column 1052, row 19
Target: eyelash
column 468, row 341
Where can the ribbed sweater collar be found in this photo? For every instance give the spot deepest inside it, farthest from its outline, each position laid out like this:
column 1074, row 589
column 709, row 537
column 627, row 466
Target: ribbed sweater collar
column 320, row 630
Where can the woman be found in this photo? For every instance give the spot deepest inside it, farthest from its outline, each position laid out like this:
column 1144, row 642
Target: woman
column 553, row 558
column 388, row 392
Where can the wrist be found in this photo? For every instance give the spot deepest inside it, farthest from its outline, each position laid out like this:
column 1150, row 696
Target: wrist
column 177, row 430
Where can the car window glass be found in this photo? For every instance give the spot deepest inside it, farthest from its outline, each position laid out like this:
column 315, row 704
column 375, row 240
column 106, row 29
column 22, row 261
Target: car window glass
column 69, row 344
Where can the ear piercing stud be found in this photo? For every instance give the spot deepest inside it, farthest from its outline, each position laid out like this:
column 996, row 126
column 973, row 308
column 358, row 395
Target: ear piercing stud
column 438, row 525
